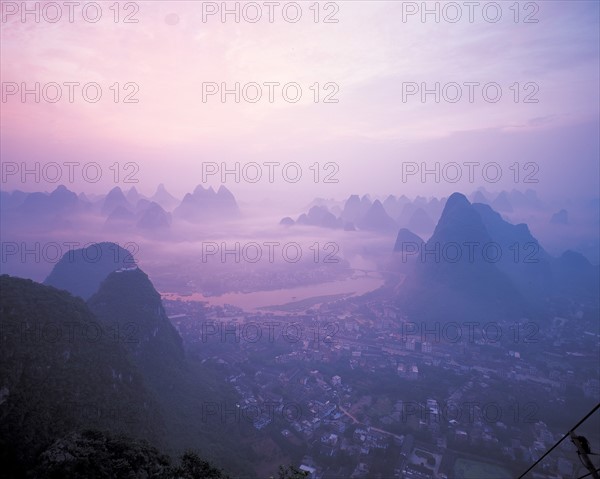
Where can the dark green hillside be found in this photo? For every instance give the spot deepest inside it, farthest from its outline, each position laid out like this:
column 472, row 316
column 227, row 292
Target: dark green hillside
column 61, row 371
column 185, row 389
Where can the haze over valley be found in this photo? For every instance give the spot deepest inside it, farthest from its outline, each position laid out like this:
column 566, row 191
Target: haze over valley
column 299, row 240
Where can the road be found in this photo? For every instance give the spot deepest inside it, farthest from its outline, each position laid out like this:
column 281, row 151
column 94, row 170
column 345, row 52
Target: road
column 370, row 427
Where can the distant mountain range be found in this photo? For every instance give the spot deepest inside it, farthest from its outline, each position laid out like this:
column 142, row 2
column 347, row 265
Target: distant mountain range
column 418, row 215
column 364, row 214
column 206, row 204
column 478, row 265
column 96, row 333
column 119, row 210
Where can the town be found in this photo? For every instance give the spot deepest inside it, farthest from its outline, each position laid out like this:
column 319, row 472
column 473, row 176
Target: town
column 351, row 388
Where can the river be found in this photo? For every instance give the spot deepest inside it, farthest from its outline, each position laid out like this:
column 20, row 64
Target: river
column 353, row 286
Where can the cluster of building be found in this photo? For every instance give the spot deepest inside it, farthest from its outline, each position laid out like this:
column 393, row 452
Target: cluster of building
column 369, row 400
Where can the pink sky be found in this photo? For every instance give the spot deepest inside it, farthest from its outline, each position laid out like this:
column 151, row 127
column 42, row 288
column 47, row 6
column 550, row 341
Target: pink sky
column 369, row 53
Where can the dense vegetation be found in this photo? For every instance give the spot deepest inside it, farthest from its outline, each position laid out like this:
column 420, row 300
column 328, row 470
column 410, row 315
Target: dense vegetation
column 185, row 389
column 85, row 395
column 60, row 372
column 92, row 454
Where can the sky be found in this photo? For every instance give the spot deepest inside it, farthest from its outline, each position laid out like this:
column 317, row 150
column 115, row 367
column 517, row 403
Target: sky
column 370, row 61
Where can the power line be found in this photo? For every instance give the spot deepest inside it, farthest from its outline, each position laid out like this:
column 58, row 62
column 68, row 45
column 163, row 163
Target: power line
column 589, row 474
column 561, row 440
